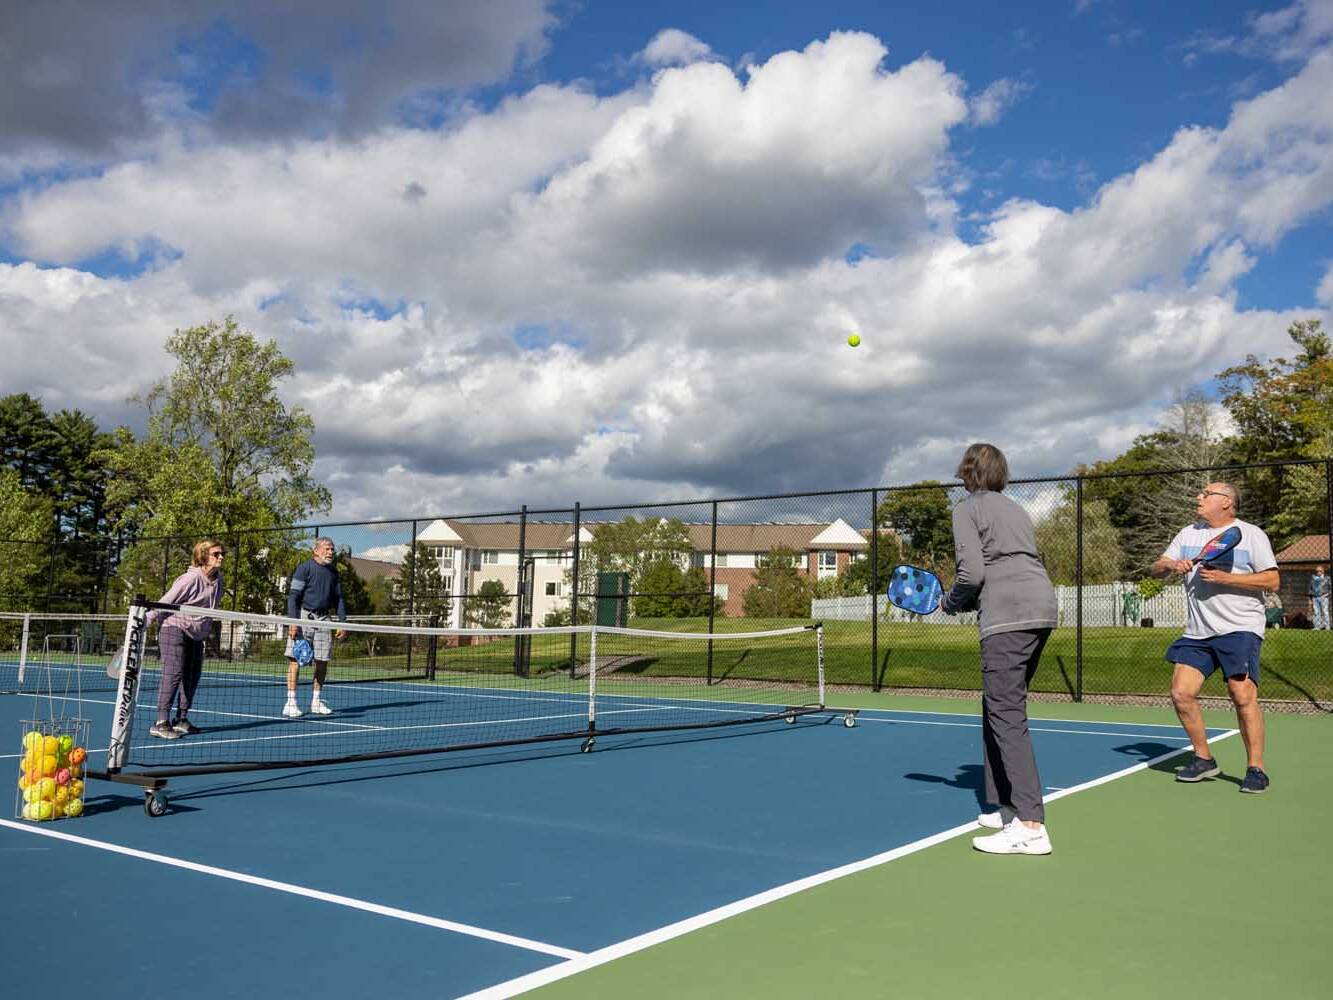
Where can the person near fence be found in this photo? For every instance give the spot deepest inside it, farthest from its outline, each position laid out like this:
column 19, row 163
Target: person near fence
column 181, row 639
column 313, row 592
column 1001, row 576
column 1318, row 594
column 1132, row 601
column 1224, row 628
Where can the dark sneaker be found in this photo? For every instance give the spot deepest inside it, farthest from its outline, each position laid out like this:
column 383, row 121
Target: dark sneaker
column 1255, row 781
column 186, row 728
column 164, row 731
column 1198, row 769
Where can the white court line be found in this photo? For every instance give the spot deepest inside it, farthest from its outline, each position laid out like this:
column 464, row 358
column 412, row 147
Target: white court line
column 299, row 890
column 973, row 715
column 601, row 956
column 1034, row 729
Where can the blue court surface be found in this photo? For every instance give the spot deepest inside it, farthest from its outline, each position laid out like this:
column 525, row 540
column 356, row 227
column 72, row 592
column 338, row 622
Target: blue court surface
column 455, row 874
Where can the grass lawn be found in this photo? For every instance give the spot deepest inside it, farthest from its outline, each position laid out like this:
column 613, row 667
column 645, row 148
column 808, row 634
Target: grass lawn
column 1296, row 664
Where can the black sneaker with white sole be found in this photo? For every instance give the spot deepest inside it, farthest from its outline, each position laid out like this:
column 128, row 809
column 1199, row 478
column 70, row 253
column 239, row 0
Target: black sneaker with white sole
column 1255, row 781
column 1198, row 769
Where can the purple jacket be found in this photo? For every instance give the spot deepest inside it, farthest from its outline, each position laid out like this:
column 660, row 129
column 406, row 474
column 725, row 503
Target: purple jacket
column 195, row 589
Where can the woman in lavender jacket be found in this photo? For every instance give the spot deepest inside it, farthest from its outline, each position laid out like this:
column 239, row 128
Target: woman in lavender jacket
column 182, row 638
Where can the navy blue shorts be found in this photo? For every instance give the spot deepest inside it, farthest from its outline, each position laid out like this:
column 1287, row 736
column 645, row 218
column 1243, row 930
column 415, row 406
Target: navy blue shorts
column 1234, row 654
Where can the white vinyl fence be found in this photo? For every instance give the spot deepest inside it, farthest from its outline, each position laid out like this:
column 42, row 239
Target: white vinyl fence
column 1104, row 604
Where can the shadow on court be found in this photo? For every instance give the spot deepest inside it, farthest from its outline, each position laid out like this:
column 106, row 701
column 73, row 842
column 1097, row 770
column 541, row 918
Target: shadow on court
column 354, row 773
column 969, row 777
column 1148, row 749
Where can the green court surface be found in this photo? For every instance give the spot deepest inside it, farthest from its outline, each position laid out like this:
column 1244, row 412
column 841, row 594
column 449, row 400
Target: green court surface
column 1155, row 889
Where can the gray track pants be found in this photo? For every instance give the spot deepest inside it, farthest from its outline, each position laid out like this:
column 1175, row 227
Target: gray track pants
column 1008, row 662
column 182, row 665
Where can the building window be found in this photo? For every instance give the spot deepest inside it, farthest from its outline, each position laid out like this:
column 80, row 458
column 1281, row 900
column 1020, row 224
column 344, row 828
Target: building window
column 553, row 588
column 828, row 563
column 490, row 557
column 720, row 560
column 721, row 591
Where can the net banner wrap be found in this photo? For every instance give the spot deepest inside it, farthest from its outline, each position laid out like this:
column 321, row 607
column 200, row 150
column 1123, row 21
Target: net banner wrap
column 127, row 691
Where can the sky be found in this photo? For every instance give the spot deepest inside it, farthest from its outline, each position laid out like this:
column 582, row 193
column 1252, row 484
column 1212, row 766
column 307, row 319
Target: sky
column 532, row 252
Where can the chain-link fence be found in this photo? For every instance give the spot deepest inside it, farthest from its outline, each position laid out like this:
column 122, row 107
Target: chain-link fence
column 748, row 563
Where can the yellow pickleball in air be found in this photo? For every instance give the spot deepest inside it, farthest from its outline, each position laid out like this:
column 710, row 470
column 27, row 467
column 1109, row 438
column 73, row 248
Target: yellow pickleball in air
column 854, row 340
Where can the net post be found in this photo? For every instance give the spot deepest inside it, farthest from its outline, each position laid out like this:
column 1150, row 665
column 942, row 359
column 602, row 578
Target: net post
column 819, row 657
column 23, row 649
column 592, row 679
column 127, row 690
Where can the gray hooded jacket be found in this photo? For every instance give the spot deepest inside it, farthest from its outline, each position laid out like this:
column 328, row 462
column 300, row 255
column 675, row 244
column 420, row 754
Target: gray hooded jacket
column 1000, row 573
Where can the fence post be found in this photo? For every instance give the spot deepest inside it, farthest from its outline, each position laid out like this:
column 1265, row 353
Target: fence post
column 874, row 591
column 520, row 617
column 574, row 597
column 106, row 573
column 526, row 596
column 238, row 574
column 1328, row 498
column 50, row 573
column 1078, row 592
column 712, row 590
column 412, row 592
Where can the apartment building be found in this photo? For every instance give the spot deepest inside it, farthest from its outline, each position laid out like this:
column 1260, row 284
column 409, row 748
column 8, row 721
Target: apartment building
column 470, row 553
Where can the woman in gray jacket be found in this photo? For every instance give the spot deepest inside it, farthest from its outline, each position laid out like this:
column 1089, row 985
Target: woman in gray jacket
column 1001, row 576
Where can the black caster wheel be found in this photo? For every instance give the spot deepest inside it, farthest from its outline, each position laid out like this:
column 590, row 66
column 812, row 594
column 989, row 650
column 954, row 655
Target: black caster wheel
column 155, row 804
column 849, row 721
column 587, row 745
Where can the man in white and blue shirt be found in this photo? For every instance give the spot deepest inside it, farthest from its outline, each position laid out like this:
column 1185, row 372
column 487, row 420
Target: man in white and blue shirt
column 313, row 592
column 1224, row 628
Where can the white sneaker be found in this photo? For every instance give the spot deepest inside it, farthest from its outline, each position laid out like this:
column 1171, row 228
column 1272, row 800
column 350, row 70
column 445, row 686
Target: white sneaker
column 318, row 707
column 991, row 821
column 1015, row 839
column 291, row 711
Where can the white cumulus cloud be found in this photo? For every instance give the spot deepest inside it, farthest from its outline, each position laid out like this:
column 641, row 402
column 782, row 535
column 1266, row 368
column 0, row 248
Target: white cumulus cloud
column 647, row 294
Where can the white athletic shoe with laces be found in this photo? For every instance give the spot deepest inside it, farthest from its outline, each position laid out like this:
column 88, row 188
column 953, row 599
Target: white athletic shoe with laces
column 318, row 707
column 1015, row 838
column 291, row 711
column 991, row 821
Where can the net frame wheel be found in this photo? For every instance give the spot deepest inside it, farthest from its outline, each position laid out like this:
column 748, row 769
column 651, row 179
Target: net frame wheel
column 790, row 718
column 587, row 745
column 155, row 803
column 849, row 720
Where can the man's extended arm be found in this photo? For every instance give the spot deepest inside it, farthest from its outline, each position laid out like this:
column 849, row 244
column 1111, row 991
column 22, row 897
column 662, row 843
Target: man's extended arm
column 1268, row 579
column 1166, row 566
